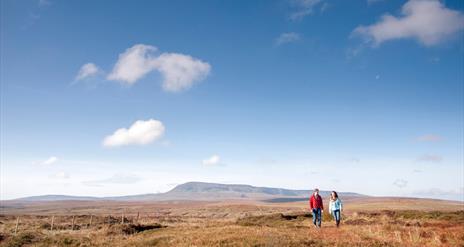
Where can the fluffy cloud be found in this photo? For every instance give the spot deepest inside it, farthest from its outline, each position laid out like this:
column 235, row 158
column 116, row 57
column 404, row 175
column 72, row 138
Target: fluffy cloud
column 287, row 38
column 50, row 161
column 400, row 183
column 139, row 133
column 87, row 70
column 179, row 71
column 430, row 138
column 427, row 21
column 133, row 64
column 213, row 160
column 305, row 7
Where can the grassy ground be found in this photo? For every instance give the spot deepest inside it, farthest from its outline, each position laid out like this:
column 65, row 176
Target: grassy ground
column 235, row 224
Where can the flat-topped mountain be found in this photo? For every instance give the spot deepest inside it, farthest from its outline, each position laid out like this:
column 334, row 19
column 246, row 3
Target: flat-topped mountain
column 199, row 191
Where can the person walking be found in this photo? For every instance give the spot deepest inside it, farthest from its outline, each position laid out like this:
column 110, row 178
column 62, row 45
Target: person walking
column 335, row 207
column 317, row 208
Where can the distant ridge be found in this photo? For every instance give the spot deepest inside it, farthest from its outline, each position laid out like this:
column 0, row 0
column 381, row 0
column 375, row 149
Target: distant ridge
column 199, row 191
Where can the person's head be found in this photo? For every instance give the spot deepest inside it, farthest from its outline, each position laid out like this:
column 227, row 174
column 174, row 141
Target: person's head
column 316, row 192
column 333, row 195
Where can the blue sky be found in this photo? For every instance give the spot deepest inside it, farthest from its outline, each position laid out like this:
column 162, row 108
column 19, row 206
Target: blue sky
column 138, row 96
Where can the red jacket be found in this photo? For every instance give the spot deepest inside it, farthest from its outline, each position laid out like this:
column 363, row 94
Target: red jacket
column 315, row 202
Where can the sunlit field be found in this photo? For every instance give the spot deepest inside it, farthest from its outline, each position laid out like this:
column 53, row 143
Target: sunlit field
column 233, row 223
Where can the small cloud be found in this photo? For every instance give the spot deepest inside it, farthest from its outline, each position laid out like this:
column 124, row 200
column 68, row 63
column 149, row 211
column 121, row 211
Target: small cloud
column 60, row 175
column 430, row 158
column 354, row 160
column 50, row 161
column 377, row 77
column 87, row 70
column 287, row 38
column 139, row 133
column 430, row 138
column 429, row 22
column 212, row 161
column 417, row 171
column 400, row 183
column 118, row 178
column 306, row 7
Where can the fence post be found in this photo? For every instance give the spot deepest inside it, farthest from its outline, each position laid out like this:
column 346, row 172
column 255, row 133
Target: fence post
column 90, row 223
column 137, row 220
column 53, row 221
column 122, row 219
column 16, row 227
column 72, row 224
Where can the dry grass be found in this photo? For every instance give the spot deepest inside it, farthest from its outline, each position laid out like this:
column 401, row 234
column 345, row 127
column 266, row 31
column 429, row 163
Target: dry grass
column 235, row 224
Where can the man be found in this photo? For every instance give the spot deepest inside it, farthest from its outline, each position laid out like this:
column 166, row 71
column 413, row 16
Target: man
column 315, row 204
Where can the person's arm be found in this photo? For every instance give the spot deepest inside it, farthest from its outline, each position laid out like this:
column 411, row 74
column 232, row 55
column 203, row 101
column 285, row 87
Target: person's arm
column 322, row 203
column 311, row 203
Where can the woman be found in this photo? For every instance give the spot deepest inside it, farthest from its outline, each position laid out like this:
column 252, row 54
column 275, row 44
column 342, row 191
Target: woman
column 335, row 207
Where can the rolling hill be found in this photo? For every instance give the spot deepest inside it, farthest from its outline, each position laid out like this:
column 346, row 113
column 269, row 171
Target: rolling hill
column 198, row 191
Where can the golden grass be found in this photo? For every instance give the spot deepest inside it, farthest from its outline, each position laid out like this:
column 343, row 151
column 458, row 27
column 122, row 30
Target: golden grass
column 239, row 225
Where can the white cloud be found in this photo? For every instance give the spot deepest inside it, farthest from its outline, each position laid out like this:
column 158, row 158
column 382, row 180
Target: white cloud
column 87, row 70
column 305, row 7
column 133, row 64
column 287, row 38
column 213, row 160
column 400, row 183
column 179, row 71
column 427, row 21
column 139, row 133
column 430, row 138
column 50, row 161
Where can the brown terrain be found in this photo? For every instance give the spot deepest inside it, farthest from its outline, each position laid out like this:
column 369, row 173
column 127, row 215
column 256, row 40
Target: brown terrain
column 366, row 221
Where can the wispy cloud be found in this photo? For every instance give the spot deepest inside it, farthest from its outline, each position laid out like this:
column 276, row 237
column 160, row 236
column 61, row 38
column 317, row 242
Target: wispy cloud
column 430, row 138
column 118, row 178
column 179, row 71
column 306, row 7
column 44, row 3
column 287, row 38
column 427, row 21
column 139, row 133
column 212, row 161
column 87, row 70
column 50, row 161
column 430, row 158
column 400, row 183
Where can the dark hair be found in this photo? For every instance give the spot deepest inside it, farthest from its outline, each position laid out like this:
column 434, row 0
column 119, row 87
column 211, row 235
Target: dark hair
column 335, row 193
